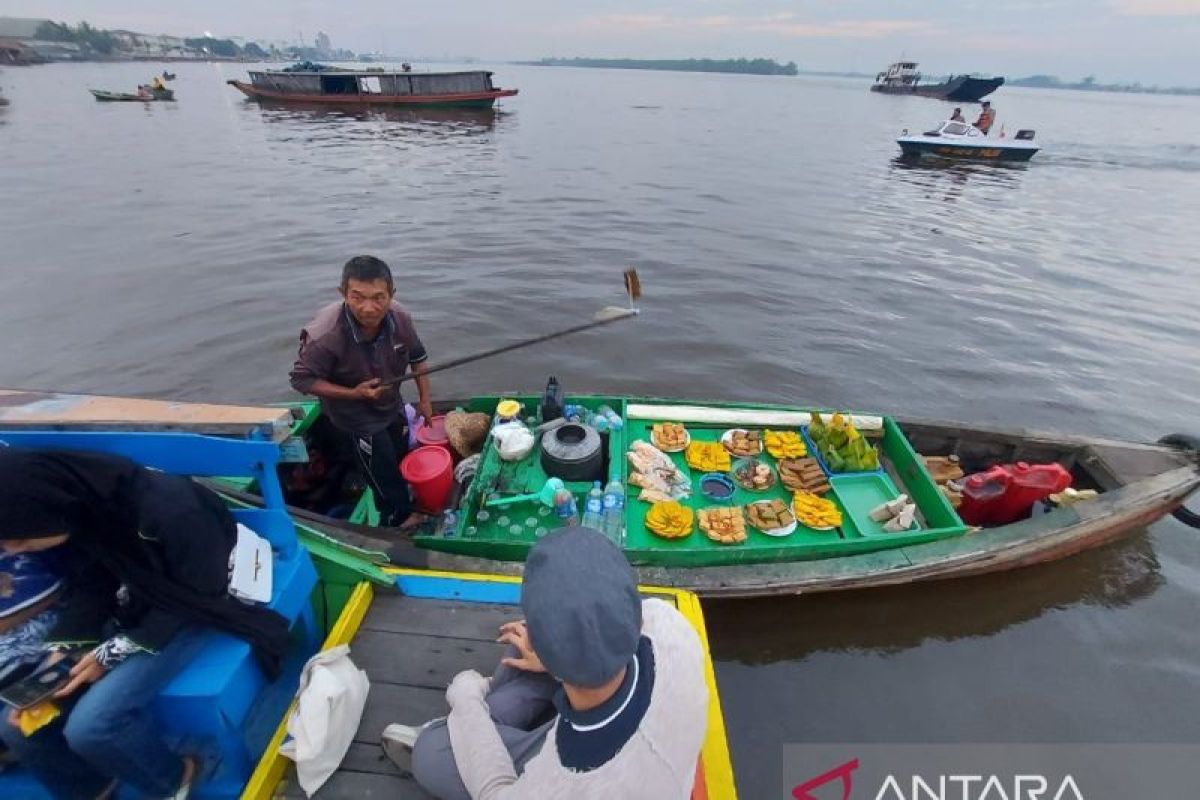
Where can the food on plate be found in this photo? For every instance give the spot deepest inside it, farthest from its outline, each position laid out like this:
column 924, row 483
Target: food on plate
column 803, row 474
column 841, row 445
column 707, row 457
column 742, row 443
column 785, row 444
column 769, row 515
column 754, row 475
column 723, row 525
column 653, row 471
column 669, row 519
column 814, row 511
column 670, row 437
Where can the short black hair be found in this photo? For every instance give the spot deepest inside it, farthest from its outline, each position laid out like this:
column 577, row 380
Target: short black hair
column 366, row 268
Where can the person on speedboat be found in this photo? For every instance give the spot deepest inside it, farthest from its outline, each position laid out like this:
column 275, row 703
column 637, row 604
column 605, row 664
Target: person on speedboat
column 957, row 116
column 987, row 116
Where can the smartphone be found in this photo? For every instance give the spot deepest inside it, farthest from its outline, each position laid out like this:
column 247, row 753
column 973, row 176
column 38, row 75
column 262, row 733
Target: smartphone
column 37, row 686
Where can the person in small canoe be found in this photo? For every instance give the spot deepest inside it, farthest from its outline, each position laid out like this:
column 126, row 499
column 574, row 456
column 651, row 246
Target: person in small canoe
column 987, row 117
column 957, row 116
column 146, row 559
column 601, row 694
column 352, row 355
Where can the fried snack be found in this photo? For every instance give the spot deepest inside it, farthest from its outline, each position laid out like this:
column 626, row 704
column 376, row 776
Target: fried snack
column 769, row 515
column 803, row 474
column 670, row 437
column 707, row 457
column 742, row 443
column 816, row 512
column 723, row 525
column 754, row 475
column 785, row 444
column 669, row 520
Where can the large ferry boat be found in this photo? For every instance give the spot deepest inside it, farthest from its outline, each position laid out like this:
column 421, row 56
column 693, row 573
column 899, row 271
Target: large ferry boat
column 316, row 83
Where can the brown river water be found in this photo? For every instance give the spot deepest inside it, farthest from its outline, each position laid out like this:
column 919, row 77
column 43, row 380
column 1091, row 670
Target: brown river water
column 174, row 250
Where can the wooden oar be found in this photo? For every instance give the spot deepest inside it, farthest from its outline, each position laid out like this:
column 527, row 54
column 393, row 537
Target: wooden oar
column 605, row 316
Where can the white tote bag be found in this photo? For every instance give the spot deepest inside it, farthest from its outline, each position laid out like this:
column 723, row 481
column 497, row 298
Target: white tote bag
column 329, row 706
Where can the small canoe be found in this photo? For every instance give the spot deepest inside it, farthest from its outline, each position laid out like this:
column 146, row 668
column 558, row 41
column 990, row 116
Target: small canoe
column 1136, row 484
column 159, row 95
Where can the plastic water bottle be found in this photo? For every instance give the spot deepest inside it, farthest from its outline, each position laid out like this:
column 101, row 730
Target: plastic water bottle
column 593, row 510
column 612, row 418
column 564, row 508
column 449, row 523
column 598, row 421
column 614, row 510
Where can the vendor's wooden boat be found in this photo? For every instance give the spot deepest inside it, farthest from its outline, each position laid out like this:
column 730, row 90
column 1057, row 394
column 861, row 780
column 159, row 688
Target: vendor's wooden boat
column 155, row 95
column 410, row 630
column 333, row 85
column 1137, row 484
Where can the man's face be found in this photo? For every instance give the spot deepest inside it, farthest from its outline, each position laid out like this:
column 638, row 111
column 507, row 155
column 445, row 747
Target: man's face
column 368, row 301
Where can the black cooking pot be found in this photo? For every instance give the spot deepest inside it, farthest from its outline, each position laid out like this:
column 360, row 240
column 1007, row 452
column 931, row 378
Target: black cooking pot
column 573, row 452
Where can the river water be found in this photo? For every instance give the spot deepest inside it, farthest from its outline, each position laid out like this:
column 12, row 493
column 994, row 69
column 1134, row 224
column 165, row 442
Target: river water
column 175, row 250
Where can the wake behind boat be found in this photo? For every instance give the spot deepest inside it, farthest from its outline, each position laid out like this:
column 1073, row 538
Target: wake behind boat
column 954, row 139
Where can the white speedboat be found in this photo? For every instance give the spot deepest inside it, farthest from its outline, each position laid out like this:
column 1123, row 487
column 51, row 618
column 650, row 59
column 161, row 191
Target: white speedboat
column 960, row 140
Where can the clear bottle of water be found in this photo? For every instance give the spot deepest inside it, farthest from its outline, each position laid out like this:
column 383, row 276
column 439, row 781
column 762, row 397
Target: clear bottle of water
column 612, row 418
column 448, row 523
column 614, row 511
column 593, row 510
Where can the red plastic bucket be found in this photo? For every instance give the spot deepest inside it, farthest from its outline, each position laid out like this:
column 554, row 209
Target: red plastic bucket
column 430, row 473
column 434, row 433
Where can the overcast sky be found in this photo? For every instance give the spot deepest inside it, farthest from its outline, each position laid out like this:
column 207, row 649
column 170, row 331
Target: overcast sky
column 1154, row 41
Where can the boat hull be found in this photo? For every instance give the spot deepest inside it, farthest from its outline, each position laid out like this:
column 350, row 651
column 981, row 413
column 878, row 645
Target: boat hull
column 465, row 100
column 959, row 90
column 990, row 151
column 121, row 97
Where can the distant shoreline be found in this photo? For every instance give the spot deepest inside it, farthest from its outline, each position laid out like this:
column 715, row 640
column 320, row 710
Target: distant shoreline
column 737, row 66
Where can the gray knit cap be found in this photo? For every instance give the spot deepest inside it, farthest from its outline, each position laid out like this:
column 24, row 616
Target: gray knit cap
column 581, row 606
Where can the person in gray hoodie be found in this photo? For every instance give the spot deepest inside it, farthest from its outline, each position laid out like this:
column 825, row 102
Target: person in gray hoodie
column 601, row 694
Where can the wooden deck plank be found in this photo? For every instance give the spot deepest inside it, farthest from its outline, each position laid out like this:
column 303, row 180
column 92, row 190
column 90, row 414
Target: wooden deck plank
column 346, row 785
column 23, row 409
column 422, row 661
column 389, row 702
column 399, row 614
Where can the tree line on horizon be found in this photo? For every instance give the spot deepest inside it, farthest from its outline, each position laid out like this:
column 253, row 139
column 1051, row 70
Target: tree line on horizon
column 747, row 66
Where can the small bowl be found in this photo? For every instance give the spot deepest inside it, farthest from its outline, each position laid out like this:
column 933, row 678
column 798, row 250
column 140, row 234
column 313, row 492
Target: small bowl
column 717, row 486
column 749, row 487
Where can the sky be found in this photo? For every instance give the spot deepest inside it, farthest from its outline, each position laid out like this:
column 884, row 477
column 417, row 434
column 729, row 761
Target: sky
column 1151, row 41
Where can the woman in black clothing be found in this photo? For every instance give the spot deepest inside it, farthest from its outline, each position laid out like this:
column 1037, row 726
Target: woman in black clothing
column 148, row 565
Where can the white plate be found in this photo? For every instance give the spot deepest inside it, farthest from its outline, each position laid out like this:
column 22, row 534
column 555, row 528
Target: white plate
column 686, row 441
column 779, row 531
column 727, row 437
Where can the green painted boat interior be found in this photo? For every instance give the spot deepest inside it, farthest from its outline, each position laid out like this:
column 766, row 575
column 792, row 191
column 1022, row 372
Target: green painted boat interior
column 506, row 532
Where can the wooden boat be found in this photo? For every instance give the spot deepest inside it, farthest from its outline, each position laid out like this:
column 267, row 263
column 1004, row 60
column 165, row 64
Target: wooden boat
column 1136, row 484
column 155, row 95
column 410, row 630
column 903, row 78
column 959, row 140
column 374, row 87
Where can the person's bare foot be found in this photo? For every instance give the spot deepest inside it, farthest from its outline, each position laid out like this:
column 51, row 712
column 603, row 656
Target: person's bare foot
column 109, row 790
column 190, row 765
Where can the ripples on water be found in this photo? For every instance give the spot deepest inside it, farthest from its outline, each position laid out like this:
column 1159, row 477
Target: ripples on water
column 787, row 254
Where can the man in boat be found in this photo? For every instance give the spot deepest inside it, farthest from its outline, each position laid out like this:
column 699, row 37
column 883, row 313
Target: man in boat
column 601, row 693
column 987, row 116
column 957, row 116
column 352, row 355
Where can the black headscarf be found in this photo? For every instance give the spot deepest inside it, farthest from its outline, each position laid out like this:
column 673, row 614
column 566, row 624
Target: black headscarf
column 110, row 507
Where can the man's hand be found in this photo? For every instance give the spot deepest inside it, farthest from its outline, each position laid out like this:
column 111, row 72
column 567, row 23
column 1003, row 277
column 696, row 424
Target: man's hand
column 467, row 686
column 370, row 390
column 516, row 634
column 86, row 672
column 425, row 409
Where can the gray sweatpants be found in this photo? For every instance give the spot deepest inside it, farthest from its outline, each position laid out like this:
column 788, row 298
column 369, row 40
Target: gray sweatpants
column 521, row 705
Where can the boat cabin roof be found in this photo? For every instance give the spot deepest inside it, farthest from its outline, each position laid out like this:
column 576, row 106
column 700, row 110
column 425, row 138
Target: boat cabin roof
column 370, row 73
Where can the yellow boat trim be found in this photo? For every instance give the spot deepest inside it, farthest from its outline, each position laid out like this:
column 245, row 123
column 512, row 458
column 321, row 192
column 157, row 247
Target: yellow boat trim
column 269, row 772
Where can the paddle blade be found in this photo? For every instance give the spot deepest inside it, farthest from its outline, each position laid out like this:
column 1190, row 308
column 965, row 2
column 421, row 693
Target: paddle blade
column 633, row 285
column 610, row 313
